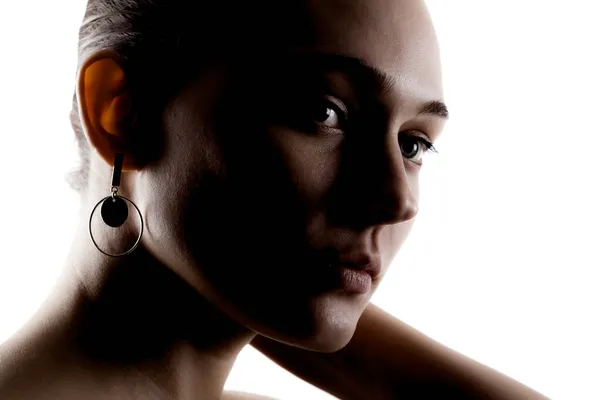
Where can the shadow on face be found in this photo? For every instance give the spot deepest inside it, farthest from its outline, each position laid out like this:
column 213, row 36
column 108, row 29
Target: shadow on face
column 285, row 156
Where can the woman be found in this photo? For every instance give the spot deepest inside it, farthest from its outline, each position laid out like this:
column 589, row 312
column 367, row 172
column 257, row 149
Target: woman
column 273, row 153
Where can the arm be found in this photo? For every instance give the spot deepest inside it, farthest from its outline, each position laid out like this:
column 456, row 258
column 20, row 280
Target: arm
column 387, row 359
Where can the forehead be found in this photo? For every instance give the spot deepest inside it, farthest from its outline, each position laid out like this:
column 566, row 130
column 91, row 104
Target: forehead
column 394, row 36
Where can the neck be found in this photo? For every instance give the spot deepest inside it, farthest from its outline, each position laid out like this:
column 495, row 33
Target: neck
column 133, row 316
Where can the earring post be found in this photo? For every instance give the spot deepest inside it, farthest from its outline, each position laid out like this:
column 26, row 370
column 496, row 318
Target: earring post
column 116, row 178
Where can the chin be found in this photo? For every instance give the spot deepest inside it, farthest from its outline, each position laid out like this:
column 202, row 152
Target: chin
column 328, row 327
column 323, row 343
column 331, row 344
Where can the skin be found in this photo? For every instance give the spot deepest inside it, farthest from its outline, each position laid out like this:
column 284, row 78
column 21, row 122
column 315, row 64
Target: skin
column 245, row 187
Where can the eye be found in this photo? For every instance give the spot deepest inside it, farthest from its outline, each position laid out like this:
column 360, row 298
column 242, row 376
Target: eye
column 327, row 113
column 413, row 147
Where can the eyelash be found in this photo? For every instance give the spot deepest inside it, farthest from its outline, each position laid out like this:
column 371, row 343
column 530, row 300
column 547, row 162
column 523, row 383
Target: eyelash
column 426, row 144
column 343, row 114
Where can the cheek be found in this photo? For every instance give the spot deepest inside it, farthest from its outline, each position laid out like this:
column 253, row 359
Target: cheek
column 244, row 223
column 312, row 163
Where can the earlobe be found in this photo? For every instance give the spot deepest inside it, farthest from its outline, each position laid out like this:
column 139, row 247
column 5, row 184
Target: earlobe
column 105, row 105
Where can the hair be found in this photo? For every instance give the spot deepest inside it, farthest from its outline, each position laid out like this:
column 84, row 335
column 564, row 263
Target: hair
column 163, row 43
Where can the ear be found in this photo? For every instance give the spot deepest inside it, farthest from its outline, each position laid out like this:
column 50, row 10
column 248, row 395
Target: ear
column 104, row 98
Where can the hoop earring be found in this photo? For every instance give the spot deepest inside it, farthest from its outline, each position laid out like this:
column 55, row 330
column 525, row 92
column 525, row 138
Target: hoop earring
column 114, row 210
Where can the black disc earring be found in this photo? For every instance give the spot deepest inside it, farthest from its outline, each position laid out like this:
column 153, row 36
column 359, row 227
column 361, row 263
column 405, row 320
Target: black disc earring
column 114, row 210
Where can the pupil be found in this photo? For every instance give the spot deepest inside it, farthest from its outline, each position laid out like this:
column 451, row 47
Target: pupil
column 322, row 114
column 410, row 148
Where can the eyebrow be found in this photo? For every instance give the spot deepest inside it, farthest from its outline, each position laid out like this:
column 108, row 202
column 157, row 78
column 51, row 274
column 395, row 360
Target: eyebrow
column 360, row 67
column 436, row 108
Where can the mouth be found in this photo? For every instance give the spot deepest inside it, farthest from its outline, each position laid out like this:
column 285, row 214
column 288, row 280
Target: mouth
column 352, row 280
column 360, row 261
column 352, row 272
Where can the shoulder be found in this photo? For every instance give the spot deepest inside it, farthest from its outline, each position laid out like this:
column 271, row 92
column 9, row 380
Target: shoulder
column 229, row 395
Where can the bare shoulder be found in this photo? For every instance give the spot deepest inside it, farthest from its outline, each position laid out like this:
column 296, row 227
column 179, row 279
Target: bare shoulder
column 229, row 395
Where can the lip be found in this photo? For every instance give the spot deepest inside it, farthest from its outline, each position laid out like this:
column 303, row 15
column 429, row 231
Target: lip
column 361, row 261
column 352, row 271
column 352, row 280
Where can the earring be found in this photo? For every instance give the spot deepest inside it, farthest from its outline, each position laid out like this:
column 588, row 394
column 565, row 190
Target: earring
column 114, row 210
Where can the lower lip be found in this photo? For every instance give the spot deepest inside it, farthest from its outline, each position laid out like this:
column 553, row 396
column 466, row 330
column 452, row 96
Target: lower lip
column 353, row 280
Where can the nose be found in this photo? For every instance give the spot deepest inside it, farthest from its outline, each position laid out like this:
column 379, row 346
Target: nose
column 383, row 190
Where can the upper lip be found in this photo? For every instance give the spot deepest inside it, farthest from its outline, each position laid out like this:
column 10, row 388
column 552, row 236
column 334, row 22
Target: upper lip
column 360, row 260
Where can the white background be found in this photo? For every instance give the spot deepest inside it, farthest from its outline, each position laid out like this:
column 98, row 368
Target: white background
column 503, row 262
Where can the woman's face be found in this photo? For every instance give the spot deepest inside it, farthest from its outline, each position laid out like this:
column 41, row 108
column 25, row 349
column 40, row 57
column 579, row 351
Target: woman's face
column 277, row 165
